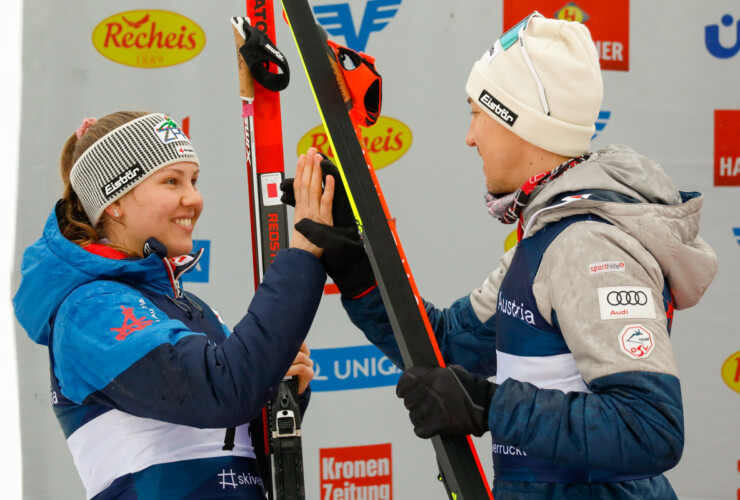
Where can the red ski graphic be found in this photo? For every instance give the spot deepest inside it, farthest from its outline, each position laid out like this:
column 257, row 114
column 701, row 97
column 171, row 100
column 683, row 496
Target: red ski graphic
column 131, row 323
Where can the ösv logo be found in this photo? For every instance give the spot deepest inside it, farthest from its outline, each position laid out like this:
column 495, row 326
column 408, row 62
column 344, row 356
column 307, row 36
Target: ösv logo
column 712, row 39
column 337, row 20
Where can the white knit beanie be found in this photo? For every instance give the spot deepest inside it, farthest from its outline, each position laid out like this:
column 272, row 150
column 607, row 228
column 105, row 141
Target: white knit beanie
column 117, row 162
column 564, row 58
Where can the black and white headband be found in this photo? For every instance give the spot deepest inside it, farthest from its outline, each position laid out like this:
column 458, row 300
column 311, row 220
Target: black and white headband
column 124, row 157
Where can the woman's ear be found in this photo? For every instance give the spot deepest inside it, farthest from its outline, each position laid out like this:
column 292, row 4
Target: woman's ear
column 114, row 210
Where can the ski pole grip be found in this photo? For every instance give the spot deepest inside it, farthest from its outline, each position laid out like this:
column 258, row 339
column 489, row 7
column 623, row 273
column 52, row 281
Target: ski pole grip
column 246, row 82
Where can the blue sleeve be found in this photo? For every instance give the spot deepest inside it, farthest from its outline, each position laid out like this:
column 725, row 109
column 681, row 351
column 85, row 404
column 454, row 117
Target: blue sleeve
column 159, row 368
column 463, row 339
column 632, row 422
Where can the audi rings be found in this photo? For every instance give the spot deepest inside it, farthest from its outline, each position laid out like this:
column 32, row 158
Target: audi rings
column 627, row 298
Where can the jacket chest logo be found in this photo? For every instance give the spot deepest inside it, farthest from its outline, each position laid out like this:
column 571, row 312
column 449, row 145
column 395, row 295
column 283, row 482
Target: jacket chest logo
column 621, row 302
column 131, row 323
column 514, row 309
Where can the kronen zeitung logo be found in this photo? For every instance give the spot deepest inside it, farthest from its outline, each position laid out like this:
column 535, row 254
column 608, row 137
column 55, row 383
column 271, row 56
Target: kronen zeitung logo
column 148, row 38
column 386, row 141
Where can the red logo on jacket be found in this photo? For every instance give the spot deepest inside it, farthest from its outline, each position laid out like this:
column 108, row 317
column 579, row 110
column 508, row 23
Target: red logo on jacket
column 131, row 323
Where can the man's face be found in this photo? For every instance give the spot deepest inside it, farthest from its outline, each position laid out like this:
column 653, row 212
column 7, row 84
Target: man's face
column 502, row 151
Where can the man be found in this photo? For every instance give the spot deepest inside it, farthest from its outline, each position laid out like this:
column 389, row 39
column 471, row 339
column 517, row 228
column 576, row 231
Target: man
column 575, row 322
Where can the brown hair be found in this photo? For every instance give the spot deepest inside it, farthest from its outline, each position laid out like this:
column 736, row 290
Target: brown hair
column 74, row 223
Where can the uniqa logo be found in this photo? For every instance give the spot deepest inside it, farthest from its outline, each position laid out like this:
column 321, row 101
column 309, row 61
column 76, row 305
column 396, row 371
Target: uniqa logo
column 350, row 368
column 148, row 38
column 386, row 141
column 711, row 39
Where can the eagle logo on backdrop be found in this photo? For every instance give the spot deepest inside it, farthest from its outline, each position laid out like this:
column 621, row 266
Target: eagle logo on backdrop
column 337, row 20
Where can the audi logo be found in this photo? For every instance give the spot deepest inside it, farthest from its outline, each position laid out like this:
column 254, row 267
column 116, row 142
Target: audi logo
column 627, row 298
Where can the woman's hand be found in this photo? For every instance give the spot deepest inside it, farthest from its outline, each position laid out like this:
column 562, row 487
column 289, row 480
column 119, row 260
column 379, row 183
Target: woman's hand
column 302, row 368
column 311, row 200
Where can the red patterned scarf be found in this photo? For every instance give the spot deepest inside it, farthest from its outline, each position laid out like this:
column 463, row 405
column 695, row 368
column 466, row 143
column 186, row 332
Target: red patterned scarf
column 508, row 208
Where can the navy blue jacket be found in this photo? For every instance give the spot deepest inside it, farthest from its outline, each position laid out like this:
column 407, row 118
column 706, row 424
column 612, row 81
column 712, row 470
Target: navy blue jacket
column 145, row 377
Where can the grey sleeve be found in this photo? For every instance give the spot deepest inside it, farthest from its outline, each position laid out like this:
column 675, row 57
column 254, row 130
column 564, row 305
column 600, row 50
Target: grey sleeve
column 485, row 299
column 605, row 290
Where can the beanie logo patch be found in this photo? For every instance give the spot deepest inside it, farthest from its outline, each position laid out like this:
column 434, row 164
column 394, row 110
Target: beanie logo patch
column 168, row 131
column 185, row 151
column 498, row 109
column 120, row 182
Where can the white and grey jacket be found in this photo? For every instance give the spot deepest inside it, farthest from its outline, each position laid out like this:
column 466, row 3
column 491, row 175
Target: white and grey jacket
column 575, row 325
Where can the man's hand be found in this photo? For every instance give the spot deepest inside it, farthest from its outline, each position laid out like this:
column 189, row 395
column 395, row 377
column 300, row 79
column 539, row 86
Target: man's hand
column 446, row 400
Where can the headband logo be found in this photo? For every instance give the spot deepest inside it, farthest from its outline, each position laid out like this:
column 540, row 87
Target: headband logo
column 168, row 131
column 185, row 151
column 120, row 182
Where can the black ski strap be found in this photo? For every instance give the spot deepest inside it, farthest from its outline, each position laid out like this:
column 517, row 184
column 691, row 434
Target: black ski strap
column 259, row 50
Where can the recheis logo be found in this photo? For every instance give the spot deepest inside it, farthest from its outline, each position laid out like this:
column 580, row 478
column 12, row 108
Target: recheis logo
column 337, row 20
column 731, row 372
column 386, row 141
column 712, row 38
column 726, row 147
column 347, row 368
column 148, row 38
column 356, row 472
column 607, row 21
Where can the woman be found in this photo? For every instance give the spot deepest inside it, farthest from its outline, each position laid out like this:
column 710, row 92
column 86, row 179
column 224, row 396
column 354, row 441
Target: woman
column 152, row 391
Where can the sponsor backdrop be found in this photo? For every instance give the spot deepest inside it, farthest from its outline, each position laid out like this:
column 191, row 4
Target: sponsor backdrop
column 670, row 92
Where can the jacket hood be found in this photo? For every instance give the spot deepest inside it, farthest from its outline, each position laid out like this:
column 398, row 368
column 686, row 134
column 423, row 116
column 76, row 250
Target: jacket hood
column 647, row 206
column 53, row 267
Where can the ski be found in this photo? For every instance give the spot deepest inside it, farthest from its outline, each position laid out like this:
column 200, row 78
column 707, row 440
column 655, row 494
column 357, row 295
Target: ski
column 276, row 435
column 460, row 470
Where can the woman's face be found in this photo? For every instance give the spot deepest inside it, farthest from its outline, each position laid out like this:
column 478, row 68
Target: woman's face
column 165, row 206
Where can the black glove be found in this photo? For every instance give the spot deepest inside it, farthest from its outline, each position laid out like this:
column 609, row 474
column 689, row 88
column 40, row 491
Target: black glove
column 446, row 400
column 344, row 259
